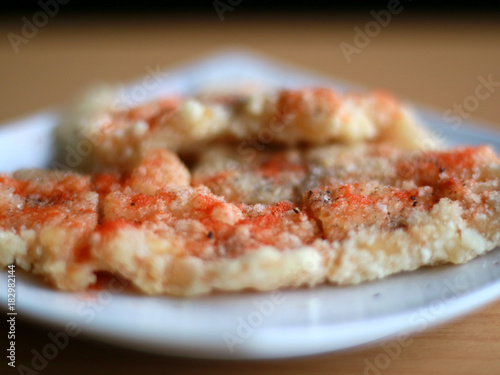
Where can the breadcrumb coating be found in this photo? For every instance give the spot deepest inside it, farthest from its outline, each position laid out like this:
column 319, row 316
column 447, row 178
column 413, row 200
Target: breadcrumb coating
column 149, row 226
column 117, row 136
column 187, row 196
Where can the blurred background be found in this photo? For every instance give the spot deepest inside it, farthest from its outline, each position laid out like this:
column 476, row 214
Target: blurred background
column 435, row 53
column 426, row 51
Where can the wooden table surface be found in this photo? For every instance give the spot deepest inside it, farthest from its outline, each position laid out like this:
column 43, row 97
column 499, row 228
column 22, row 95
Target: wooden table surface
column 435, row 61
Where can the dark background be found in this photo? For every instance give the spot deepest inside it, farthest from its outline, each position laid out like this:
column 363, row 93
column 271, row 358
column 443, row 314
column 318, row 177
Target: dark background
column 254, row 6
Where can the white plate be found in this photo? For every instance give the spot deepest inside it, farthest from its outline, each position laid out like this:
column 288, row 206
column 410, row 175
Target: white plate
column 252, row 325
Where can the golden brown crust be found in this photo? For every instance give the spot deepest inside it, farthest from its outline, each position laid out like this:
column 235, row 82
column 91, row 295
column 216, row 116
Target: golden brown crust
column 45, row 222
column 291, row 188
column 165, row 237
column 117, row 137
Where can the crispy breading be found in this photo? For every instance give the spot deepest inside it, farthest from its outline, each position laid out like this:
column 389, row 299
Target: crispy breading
column 147, row 226
column 46, row 219
column 274, row 175
column 256, row 191
column 117, row 136
column 188, row 241
column 270, row 176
